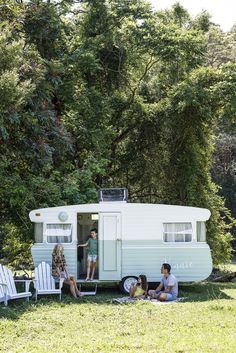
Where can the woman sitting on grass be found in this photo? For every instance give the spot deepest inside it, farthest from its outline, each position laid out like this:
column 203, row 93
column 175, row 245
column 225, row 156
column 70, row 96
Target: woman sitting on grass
column 139, row 290
column 59, row 270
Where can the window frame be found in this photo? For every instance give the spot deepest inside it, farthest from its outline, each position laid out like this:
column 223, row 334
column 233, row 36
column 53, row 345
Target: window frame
column 201, row 223
column 41, row 235
column 177, row 242
column 51, row 223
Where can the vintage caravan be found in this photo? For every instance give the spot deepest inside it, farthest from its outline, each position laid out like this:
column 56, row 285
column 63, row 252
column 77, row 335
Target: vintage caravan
column 133, row 238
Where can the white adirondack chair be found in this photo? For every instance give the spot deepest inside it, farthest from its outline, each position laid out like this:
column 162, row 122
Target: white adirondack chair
column 3, row 294
column 44, row 283
column 8, row 287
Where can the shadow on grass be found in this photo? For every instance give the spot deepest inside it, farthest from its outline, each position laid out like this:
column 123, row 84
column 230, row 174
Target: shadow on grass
column 200, row 292
column 18, row 307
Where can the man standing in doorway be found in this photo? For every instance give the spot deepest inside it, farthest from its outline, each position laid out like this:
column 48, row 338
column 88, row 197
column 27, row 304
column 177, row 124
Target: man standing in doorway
column 92, row 244
column 168, row 287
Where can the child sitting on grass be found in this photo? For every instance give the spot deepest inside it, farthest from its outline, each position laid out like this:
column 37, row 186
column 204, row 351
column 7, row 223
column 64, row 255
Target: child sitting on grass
column 139, row 290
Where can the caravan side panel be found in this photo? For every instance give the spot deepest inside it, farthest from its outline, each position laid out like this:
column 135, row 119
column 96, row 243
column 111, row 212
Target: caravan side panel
column 43, row 252
column 144, row 249
column 191, row 263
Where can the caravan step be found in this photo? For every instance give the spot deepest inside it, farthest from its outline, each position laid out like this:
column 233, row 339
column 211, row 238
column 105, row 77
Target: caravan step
column 89, row 281
column 88, row 292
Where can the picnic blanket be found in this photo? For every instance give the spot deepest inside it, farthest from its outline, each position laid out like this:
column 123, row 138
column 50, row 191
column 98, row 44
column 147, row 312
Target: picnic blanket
column 154, row 301
column 126, row 300
column 181, row 299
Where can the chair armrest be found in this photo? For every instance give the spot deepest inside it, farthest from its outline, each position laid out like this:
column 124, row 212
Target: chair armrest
column 61, row 283
column 26, row 281
column 34, row 282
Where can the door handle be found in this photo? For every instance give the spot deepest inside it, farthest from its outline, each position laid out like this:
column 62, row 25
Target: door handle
column 118, row 239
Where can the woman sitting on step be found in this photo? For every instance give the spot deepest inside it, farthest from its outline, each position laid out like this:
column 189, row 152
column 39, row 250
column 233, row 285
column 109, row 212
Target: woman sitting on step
column 60, row 270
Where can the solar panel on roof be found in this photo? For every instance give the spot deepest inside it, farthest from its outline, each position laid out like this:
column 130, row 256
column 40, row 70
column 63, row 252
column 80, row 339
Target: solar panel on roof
column 113, row 194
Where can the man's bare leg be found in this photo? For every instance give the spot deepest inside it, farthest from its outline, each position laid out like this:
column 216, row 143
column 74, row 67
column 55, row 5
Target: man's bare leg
column 153, row 294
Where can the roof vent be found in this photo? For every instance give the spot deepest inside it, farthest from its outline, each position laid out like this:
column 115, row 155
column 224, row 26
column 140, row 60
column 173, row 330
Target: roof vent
column 113, row 195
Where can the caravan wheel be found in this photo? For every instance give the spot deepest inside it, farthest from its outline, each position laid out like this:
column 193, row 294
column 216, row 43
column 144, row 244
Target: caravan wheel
column 126, row 283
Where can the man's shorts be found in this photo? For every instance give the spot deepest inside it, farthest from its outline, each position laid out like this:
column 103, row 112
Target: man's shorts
column 169, row 297
column 92, row 258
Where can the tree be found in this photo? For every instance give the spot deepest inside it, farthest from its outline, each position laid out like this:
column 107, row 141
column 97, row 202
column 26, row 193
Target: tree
column 113, row 94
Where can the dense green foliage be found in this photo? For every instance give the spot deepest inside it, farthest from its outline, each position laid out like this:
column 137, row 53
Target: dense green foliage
column 110, row 93
column 221, row 50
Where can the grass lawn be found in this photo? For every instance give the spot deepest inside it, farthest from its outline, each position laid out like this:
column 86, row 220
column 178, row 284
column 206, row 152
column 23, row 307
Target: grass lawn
column 206, row 322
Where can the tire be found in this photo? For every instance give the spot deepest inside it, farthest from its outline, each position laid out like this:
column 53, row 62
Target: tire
column 126, row 282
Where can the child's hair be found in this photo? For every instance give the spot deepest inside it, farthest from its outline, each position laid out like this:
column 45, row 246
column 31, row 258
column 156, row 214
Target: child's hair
column 144, row 282
column 94, row 230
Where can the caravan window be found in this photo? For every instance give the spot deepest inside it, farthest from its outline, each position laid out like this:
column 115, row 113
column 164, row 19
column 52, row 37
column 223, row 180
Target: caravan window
column 59, row 233
column 38, row 232
column 201, row 231
column 177, row 232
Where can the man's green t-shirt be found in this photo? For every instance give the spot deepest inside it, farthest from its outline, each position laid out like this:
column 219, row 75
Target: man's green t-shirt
column 92, row 246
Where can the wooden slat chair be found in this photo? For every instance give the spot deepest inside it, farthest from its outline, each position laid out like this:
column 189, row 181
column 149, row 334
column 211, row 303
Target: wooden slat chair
column 3, row 294
column 44, row 283
column 8, row 287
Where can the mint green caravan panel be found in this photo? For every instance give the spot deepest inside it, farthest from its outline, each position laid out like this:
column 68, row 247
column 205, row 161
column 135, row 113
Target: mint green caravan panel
column 189, row 262
column 43, row 252
column 109, row 246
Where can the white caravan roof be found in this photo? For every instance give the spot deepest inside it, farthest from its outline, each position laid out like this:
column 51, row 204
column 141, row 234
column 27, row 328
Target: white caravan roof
column 162, row 211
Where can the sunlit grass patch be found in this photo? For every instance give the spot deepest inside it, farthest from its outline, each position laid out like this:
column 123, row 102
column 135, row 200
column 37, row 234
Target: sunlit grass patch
column 204, row 323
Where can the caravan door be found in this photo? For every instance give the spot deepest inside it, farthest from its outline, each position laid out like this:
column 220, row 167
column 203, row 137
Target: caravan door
column 109, row 246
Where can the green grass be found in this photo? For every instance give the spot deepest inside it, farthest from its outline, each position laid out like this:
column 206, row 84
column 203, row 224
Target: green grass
column 227, row 268
column 204, row 323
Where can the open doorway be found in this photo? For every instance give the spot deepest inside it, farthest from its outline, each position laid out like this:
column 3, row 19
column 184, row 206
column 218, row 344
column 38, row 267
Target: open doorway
column 85, row 223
